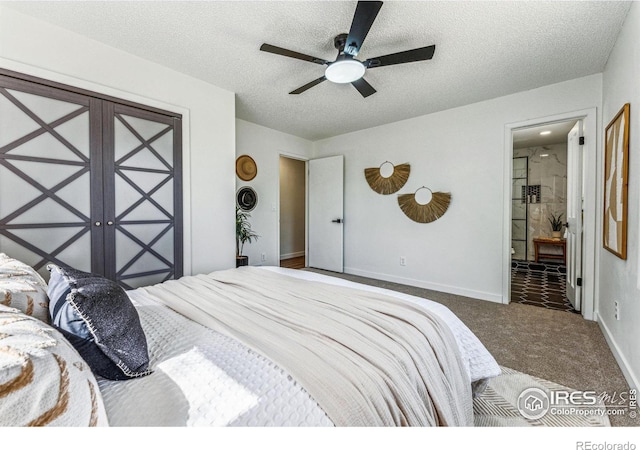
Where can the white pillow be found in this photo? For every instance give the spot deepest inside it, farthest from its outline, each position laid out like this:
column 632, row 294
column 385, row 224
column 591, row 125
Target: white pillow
column 43, row 379
column 22, row 287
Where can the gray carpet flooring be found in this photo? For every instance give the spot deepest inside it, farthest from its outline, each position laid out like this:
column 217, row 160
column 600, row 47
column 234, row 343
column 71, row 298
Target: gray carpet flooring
column 558, row 346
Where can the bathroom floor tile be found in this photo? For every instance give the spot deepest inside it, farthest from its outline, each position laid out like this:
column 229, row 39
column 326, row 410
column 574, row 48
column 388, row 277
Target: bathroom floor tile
column 540, row 284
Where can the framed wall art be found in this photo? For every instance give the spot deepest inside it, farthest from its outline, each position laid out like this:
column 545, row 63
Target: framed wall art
column 616, row 168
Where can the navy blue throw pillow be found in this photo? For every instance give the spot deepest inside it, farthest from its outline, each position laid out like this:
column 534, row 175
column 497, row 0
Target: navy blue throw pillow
column 99, row 320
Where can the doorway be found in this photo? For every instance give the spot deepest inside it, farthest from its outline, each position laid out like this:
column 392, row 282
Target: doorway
column 587, row 204
column 292, row 212
column 542, row 184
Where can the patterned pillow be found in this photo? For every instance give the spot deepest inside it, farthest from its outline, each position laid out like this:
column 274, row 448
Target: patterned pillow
column 98, row 318
column 23, row 288
column 43, row 379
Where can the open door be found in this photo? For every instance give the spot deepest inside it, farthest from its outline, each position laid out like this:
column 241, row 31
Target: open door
column 293, row 212
column 326, row 207
column 574, row 216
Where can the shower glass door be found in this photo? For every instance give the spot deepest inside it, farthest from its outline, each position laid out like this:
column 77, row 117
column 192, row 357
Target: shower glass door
column 519, row 210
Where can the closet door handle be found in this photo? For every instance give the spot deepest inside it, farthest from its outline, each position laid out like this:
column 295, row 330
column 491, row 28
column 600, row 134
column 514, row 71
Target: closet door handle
column 98, row 223
column 110, row 222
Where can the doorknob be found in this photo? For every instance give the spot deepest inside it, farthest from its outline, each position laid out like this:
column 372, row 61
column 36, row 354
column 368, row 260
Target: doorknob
column 98, row 223
column 337, row 221
column 110, row 222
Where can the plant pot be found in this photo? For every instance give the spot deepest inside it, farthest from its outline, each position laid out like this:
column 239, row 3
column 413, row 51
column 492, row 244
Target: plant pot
column 242, row 261
column 556, row 234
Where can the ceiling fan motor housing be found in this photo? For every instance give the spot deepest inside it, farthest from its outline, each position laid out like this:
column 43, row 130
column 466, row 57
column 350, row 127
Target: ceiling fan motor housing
column 340, row 41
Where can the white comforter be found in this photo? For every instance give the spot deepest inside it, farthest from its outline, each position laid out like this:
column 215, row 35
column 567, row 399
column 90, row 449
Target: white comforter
column 205, row 378
column 479, row 362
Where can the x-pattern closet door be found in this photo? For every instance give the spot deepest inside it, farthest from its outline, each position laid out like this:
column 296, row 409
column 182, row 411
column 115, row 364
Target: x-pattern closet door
column 141, row 216
column 90, row 183
column 47, row 139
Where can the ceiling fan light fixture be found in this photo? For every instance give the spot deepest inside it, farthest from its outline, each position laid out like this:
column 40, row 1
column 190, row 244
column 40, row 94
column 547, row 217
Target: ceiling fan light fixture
column 345, row 71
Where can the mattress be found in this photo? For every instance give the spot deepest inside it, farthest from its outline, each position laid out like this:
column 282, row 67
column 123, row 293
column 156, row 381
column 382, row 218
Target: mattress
column 205, row 378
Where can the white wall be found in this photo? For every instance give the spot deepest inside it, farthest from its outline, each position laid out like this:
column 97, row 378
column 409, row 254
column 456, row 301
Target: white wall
column 293, row 210
column 459, row 151
column 619, row 279
column 37, row 48
column 265, row 146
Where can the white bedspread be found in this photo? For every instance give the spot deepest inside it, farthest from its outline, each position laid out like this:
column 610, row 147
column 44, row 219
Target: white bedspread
column 479, row 362
column 205, row 378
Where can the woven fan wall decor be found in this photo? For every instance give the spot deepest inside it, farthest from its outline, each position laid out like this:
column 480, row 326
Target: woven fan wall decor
column 428, row 212
column 387, row 185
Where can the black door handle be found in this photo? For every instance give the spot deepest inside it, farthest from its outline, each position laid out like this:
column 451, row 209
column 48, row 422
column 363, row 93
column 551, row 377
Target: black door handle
column 337, row 221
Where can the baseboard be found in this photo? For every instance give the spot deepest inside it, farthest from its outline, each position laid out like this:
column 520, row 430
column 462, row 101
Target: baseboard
column 495, row 298
column 631, row 378
column 291, row 255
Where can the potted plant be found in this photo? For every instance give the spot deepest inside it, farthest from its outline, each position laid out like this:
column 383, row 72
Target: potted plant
column 244, row 234
column 556, row 225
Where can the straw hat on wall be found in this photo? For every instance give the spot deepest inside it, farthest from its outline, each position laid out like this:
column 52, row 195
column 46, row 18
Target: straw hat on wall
column 246, row 168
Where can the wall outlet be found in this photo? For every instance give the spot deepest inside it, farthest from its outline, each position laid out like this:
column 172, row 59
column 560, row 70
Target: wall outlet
column 263, row 257
column 616, row 310
column 403, row 261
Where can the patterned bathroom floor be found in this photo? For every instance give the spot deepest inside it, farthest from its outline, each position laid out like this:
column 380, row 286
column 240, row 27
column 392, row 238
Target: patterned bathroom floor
column 540, row 284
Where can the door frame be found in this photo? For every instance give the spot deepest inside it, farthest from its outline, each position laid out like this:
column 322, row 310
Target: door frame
column 591, row 224
column 306, row 204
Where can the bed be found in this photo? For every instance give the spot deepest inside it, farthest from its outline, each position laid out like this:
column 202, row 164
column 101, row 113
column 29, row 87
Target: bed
column 267, row 346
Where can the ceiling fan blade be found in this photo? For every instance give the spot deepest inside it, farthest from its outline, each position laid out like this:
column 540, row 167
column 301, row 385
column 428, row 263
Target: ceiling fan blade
column 363, row 18
column 363, row 87
column 301, row 89
column 417, row 54
column 291, row 54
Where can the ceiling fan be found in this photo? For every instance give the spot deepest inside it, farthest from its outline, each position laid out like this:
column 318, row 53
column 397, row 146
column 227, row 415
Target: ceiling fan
column 347, row 69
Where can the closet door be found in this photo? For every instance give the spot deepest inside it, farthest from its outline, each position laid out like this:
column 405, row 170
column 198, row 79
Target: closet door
column 142, row 201
column 89, row 181
column 48, row 176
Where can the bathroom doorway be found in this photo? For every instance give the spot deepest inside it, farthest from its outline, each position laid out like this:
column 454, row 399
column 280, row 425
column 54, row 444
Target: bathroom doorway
column 293, row 212
column 539, row 215
column 583, row 180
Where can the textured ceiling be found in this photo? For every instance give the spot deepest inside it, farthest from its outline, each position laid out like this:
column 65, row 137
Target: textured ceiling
column 483, row 50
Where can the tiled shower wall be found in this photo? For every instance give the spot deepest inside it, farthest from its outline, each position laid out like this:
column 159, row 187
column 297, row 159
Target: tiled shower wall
column 550, row 172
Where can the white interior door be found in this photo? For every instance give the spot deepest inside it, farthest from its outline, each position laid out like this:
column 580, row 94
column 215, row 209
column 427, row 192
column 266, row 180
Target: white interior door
column 574, row 215
column 326, row 207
